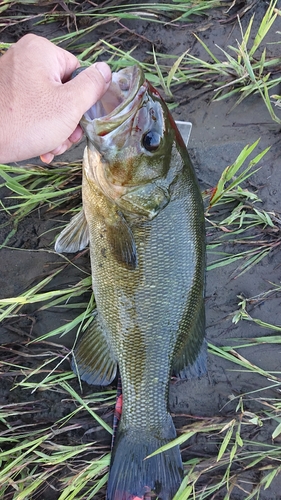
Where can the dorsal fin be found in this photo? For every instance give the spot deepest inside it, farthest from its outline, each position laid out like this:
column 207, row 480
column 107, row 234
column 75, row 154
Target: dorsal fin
column 190, row 360
column 185, row 130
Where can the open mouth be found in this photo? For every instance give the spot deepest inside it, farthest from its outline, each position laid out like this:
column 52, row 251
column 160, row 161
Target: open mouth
column 123, row 88
column 116, row 109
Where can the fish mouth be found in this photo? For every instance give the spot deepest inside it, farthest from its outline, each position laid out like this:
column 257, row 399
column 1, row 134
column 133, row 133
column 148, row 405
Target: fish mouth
column 117, row 104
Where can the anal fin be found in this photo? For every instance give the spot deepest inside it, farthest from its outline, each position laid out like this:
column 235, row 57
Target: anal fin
column 92, row 359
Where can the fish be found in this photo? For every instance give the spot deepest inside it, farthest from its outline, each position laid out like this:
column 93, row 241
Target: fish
column 143, row 218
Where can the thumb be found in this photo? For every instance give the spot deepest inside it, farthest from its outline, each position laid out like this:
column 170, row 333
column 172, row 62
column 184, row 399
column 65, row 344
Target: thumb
column 89, row 86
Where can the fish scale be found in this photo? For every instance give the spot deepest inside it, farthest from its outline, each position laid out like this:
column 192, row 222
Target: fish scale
column 145, row 221
column 138, row 287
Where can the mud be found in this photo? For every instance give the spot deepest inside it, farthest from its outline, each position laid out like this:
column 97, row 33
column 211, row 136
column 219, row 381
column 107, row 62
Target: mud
column 219, row 134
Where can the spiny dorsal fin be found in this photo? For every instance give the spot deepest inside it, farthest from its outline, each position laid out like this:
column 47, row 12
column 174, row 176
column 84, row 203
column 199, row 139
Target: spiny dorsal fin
column 185, row 130
column 75, row 236
column 92, row 358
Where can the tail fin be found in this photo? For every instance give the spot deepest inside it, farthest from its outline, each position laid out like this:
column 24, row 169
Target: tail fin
column 133, row 476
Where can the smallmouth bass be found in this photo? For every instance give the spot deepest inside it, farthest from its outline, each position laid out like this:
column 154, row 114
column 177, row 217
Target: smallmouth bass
column 143, row 219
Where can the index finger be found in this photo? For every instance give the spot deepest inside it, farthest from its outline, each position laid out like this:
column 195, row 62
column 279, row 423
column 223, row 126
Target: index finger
column 68, row 63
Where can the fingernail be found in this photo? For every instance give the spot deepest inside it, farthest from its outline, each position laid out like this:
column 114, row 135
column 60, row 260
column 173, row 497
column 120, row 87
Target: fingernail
column 47, row 158
column 104, row 70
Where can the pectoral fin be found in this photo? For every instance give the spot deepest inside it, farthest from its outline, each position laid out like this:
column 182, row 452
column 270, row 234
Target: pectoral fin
column 75, row 236
column 93, row 359
column 121, row 240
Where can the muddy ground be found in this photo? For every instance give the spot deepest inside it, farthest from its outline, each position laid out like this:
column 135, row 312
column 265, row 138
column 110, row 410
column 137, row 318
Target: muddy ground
column 218, row 136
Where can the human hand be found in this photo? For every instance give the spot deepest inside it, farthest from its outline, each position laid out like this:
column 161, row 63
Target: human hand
column 40, row 107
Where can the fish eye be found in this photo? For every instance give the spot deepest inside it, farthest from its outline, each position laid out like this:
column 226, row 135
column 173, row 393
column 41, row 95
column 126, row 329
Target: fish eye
column 151, row 140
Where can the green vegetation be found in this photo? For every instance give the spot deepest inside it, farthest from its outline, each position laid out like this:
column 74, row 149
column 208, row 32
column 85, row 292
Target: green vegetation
column 243, row 70
column 245, row 222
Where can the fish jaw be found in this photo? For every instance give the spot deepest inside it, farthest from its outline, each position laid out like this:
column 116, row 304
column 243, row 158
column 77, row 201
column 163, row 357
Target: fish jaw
column 116, row 105
column 130, row 163
column 123, row 137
